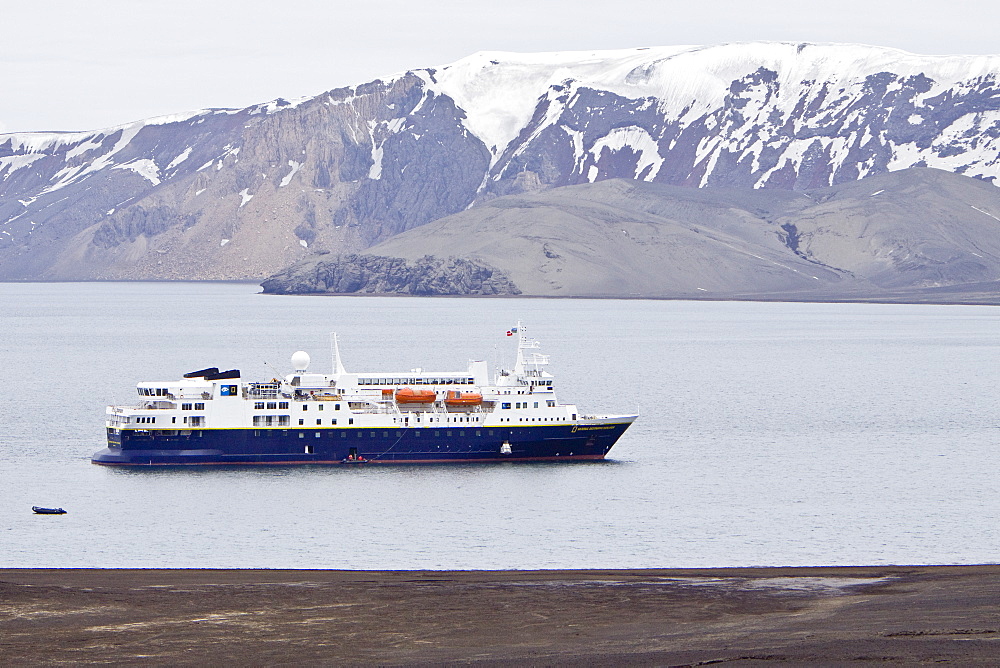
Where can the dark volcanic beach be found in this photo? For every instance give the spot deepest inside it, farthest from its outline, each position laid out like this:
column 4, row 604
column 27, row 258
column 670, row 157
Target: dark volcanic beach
column 739, row 616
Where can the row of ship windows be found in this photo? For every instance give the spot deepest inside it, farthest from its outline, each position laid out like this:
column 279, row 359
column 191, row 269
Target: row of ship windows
column 385, row 434
column 447, row 419
column 286, row 420
column 550, row 403
column 415, row 381
column 192, row 421
column 283, row 406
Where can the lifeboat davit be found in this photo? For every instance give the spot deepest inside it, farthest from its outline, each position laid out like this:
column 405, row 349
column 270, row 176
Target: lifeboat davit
column 456, row 398
column 408, row 395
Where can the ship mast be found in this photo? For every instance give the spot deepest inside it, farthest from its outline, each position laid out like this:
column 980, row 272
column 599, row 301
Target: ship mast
column 338, row 366
column 527, row 365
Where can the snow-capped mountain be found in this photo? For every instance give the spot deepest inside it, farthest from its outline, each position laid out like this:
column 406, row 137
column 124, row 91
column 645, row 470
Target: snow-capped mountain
column 243, row 193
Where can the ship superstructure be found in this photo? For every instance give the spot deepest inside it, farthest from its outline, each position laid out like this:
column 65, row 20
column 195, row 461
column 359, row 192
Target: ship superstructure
column 214, row 417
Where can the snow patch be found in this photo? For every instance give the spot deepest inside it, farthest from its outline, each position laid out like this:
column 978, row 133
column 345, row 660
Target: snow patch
column 84, row 146
column 303, row 243
column 16, row 162
column 985, row 212
column 145, row 168
column 245, row 197
column 279, row 104
column 223, row 243
column 288, row 177
column 638, row 140
column 375, row 171
column 47, row 143
column 500, row 90
column 179, row 159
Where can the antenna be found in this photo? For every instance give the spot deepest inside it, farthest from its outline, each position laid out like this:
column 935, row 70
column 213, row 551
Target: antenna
column 277, row 374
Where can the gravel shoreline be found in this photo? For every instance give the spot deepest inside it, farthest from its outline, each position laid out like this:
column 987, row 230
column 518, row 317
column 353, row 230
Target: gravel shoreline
column 738, row 616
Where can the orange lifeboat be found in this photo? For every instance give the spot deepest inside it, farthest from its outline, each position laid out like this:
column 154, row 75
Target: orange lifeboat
column 408, row 395
column 456, row 398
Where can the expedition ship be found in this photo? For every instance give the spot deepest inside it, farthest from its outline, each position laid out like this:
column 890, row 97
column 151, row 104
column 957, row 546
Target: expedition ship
column 213, row 417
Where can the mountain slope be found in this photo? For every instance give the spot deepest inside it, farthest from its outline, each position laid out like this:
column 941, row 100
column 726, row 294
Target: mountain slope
column 237, row 194
column 904, row 231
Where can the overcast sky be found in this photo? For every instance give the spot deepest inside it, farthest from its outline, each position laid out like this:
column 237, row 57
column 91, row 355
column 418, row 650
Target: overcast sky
column 90, row 64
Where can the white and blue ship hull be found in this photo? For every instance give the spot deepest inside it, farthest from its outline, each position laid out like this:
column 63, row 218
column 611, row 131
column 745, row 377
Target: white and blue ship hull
column 372, row 446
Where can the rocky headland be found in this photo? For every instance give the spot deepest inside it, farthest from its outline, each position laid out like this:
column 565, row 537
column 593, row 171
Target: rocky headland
column 373, row 274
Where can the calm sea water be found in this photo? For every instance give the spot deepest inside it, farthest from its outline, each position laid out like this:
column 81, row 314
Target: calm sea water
column 770, row 434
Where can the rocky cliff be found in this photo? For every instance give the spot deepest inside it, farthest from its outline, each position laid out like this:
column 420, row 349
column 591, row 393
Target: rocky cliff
column 373, row 274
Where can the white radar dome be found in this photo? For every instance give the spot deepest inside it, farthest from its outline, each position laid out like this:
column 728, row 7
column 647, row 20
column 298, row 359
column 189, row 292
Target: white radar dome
column 300, row 360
